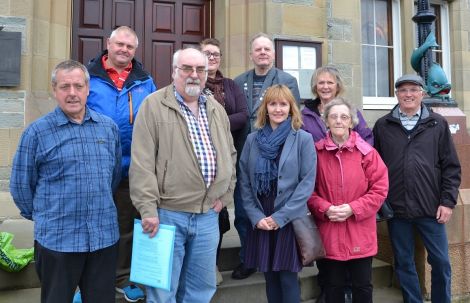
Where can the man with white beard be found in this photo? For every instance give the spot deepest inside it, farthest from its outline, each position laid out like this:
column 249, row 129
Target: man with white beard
column 182, row 173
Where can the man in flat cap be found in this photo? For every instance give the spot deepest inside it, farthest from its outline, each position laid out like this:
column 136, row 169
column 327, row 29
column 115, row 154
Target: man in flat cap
column 424, row 172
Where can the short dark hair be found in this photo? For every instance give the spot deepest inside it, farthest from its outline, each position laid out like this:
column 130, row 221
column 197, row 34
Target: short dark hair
column 211, row 41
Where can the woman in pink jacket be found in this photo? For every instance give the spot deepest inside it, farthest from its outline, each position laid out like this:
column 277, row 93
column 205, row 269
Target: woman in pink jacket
column 351, row 185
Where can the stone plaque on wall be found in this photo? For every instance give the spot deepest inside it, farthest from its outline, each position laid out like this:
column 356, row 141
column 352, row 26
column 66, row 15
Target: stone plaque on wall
column 10, row 58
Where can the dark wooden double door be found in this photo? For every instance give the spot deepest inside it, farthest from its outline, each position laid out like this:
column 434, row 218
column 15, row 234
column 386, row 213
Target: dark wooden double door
column 161, row 26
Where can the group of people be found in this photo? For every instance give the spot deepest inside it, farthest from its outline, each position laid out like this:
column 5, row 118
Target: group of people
column 205, row 142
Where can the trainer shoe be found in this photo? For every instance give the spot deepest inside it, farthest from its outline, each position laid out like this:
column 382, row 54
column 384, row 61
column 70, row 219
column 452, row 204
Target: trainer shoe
column 77, row 298
column 132, row 293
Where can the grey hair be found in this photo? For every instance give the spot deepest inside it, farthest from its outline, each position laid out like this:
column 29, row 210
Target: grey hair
column 331, row 70
column 125, row 29
column 261, row 35
column 69, row 65
column 176, row 56
column 341, row 101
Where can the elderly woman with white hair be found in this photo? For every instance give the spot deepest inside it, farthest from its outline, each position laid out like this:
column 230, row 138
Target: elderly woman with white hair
column 351, row 185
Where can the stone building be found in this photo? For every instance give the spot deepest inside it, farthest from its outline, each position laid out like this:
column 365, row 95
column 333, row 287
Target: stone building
column 370, row 41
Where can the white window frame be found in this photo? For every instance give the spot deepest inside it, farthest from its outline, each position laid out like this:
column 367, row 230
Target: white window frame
column 445, row 37
column 389, row 102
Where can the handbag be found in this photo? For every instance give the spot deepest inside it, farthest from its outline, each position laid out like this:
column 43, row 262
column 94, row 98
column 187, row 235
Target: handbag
column 307, row 236
column 385, row 212
column 224, row 221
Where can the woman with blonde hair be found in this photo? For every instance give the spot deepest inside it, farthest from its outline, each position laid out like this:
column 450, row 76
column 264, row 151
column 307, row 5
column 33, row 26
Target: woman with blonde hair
column 277, row 176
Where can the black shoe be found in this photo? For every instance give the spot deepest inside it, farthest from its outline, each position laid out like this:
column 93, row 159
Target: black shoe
column 321, row 298
column 241, row 272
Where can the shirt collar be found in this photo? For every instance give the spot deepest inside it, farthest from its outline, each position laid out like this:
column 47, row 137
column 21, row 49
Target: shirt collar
column 201, row 100
column 63, row 119
column 402, row 114
column 108, row 69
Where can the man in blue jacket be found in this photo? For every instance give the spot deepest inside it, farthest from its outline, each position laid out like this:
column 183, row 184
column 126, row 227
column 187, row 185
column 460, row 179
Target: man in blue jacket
column 254, row 83
column 118, row 86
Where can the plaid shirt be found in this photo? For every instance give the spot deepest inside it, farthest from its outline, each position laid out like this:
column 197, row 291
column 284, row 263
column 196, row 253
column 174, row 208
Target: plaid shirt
column 62, row 179
column 200, row 138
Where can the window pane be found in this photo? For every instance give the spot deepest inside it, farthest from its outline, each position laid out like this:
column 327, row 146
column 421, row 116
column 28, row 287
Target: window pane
column 367, row 21
column 377, row 48
column 383, row 87
column 368, row 70
column 381, row 23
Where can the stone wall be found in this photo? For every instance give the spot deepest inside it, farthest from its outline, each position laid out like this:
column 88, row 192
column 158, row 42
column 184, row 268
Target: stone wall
column 45, row 40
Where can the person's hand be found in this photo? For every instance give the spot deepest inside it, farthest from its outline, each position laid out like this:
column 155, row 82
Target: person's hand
column 150, row 225
column 272, row 223
column 339, row 213
column 217, row 205
column 263, row 224
column 443, row 214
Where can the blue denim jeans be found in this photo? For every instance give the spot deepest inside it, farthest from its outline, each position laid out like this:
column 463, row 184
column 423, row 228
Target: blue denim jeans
column 241, row 221
column 193, row 277
column 434, row 238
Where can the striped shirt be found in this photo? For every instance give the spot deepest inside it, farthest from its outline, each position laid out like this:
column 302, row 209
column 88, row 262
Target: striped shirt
column 63, row 177
column 200, row 136
column 409, row 122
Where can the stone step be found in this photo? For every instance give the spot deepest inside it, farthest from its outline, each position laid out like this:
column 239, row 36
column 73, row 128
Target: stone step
column 252, row 289
column 32, row 295
column 16, row 286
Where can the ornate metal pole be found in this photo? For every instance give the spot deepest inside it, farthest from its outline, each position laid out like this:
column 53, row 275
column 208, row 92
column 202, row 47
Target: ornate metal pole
column 424, row 19
column 422, row 61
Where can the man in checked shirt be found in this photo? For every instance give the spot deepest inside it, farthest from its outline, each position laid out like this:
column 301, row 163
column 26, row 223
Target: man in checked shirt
column 65, row 169
column 182, row 173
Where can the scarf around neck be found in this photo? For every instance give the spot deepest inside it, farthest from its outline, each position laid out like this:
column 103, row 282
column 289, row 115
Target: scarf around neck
column 216, row 86
column 269, row 143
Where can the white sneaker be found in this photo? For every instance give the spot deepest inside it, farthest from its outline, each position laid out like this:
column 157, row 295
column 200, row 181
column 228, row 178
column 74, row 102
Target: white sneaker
column 219, row 276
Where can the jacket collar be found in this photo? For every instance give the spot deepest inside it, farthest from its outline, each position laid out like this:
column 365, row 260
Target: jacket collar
column 354, row 140
column 96, row 69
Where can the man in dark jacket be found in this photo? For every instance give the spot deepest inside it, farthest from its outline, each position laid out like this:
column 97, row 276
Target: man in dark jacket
column 254, row 83
column 118, row 86
column 424, row 173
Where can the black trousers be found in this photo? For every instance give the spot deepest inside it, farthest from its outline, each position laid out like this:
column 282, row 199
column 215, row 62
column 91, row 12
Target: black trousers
column 335, row 279
column 60, row 274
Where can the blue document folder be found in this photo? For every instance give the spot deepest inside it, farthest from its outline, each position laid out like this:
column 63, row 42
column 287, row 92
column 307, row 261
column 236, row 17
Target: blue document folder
column 152, row 258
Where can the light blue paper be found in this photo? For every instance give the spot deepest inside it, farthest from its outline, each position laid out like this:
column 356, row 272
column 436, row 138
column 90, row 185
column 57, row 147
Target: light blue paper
column 152, row 258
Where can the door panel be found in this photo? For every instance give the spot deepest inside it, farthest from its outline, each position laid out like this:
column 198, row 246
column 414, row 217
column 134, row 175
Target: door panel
column 161, row 26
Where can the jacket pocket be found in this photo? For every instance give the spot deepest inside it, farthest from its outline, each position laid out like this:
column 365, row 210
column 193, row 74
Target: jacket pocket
column 165, row 169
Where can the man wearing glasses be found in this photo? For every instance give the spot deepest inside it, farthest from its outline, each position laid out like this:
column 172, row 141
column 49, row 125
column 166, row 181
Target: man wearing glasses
column 182, row 174
column 424, row 173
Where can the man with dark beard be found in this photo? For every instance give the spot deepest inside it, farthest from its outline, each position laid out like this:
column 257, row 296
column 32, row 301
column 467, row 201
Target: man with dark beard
column 182, row 174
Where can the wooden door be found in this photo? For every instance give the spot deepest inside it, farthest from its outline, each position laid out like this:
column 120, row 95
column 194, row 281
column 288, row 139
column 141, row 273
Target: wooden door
column 161, row 26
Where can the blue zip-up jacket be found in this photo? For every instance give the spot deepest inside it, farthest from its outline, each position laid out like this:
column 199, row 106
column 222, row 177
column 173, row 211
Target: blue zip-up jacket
column 121, row 106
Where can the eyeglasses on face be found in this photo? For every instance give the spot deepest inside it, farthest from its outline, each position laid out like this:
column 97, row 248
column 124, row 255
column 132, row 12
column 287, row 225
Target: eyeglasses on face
column 342, row 117
column 216, row 55
column 187, row 69
column 403, row 91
